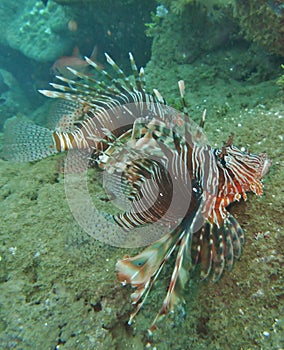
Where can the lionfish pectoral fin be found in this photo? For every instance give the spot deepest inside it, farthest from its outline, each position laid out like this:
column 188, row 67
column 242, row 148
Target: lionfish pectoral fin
column 142, row 270
column 25, row 141
column 218, row 245
column 139, row 269
column 179, row 278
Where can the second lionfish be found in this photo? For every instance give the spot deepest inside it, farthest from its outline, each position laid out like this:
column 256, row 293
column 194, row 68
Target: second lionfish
column 161, row 162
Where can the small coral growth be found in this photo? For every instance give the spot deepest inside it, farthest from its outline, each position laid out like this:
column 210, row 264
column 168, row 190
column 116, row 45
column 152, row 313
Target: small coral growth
column 263, row 23
column 177, row 6
column 280, row 81
column 39, row 32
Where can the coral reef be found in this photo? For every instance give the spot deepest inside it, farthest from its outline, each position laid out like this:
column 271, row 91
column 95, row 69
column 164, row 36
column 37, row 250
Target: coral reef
column 223, row 23
column 193, row 31
column 40, row 32
column 263, row 23
column 8, row 12
column 196, row 32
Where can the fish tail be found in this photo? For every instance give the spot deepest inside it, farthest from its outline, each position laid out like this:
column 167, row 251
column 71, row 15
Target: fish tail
column 25, row 141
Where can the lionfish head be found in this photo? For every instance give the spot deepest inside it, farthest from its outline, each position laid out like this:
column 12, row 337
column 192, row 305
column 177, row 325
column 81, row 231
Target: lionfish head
column 246, row 169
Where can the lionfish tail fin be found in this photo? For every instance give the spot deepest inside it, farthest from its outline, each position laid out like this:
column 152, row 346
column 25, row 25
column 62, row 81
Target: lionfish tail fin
column 25, row 141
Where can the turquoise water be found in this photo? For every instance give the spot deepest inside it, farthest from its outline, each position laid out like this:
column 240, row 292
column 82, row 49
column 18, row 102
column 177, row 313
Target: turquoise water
column 58, row 284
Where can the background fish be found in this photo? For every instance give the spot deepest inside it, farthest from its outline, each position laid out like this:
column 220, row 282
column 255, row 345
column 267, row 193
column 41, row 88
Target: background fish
column 74, row 61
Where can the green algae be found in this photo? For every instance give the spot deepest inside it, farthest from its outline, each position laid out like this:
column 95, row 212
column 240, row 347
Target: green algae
column 50, row 280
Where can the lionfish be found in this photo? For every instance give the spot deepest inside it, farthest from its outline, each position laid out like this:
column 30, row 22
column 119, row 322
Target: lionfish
column 162, row 163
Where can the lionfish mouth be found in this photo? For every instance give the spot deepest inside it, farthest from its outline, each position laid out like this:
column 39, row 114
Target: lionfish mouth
column 256, row 186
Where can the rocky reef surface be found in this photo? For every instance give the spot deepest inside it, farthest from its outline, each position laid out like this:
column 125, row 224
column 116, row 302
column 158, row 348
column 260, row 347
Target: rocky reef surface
column 39, row 32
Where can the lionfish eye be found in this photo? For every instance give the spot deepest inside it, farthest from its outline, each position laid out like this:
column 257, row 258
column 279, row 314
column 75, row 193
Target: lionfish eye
column 227, row 160
column 223, row 160
column 217, row 152
column 221, row 157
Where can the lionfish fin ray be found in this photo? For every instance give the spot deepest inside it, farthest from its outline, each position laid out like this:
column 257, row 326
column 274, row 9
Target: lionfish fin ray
column 142, row 270
column 135, row 73
column 142, row 78
column 64, row 115
column 218, row 246
column 114, row 81
column 119, row 72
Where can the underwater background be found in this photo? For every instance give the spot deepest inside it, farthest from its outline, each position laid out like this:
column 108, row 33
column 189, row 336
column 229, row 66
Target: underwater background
column 58, row 287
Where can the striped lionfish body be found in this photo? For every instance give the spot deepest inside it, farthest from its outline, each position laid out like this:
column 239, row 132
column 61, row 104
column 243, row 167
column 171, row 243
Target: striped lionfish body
column 169, row 173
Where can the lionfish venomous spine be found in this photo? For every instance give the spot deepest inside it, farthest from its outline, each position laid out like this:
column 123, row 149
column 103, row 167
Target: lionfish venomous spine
column 166, row 168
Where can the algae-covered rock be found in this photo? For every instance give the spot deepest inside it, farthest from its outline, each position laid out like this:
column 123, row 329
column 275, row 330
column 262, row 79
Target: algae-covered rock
column 12, row 99
column 263, row 23
column 280, row 81
column 193, row 36
column 8, row 12
column 185, row 36
column 178, row 6
column 40, row 32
